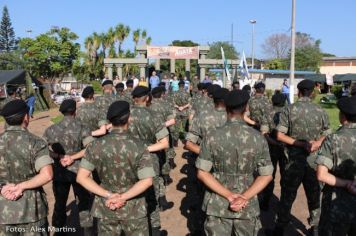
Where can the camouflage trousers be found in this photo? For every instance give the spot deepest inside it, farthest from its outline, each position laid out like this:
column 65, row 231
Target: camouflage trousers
column 83, row 200
column 277, row 157
column 39, row 228
column 180, row 126
column 298, row 171
column 137, row 227
column 152, row 196
column 216, row 226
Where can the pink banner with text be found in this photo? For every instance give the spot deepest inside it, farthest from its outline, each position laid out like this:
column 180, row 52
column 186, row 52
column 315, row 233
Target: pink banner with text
column 172, row 52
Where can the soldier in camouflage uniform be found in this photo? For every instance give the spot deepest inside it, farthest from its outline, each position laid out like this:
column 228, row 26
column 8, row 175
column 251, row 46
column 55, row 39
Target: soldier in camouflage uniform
column 206, row 121
column 125, row 173
column 229, row 158
column 146, row 126
column 102, row 103
column 276, row 148
column 66, row 141
column 337, row 169
column 87, row 112
column 25, row 166
column 11, row 92
column 259, row 106
column 181, row 104
column 302, row 127
column 165, row 114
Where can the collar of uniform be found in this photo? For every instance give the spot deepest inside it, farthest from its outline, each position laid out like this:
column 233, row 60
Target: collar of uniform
column 107, row 95
column 139, row 105
column 235, row 120
column 156, row 100
column 220, row 109
column 304, row 99
column 350, row 126
column 15, row 128
column 118, row 130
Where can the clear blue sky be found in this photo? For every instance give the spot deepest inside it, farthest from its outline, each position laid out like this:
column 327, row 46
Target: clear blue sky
column 202, row 21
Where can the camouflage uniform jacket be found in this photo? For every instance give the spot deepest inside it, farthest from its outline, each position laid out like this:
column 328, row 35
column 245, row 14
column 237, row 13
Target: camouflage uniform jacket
column 305, row 121
column 203, row 105
column 66, row 138
column 162, row 109
column 87, row 114
column 338, row 154
column 22, row 155
column 233, row 154
column 260, row 107
column 181, row 98
column 120, row 161
column 204, row 122
column 125, row 96
column 102, row 103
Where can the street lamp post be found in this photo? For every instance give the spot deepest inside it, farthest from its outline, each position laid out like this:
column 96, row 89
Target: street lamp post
column 253, row 22
column 292, row 55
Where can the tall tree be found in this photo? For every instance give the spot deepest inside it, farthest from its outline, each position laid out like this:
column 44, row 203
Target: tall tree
column 121, row 33
column 184, row 43
column 215, row 50
column 276, row 46
column 7, row 34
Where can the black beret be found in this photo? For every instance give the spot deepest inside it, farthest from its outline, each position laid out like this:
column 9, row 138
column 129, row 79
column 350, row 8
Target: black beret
column 68, row 105
column 347, row 105
column 120, row 85
column 306, row 84
column 140, row 91
column 236, row 98
column 106, row 82
column 87, row 92
column 279, row 99
column 220, row 93
column 260, row 85
column 181, row 82
column 14, row 107
column 157, row 90
column 246, row 87
column 118, row 109
column 200, row 86
column 129, row 81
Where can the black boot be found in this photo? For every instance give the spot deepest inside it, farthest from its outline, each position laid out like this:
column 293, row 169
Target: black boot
column 167, row 180
column 156, row 231
column 163, row 204
column 172, row 164
column 277, row 231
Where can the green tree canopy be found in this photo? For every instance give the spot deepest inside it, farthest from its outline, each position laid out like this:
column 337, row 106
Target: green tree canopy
column 215, row 50
column 7, row 33
column 184, row 43
column 51, row 54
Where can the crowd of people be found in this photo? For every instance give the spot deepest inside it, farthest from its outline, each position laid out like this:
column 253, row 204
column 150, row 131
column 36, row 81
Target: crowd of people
column 117, row 151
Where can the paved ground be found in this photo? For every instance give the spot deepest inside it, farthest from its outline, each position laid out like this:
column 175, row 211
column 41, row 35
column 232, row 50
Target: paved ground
column 178, row 221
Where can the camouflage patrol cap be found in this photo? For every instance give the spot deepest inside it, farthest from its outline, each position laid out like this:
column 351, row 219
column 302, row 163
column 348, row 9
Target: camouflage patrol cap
column 236, row 98
column 14, row 108
column 220, row 93
column 347, row 105
column 68, row 105
column 107, row 82
column 279, row 100
column 306, row 84
column 120, row 85
column 88, row 91
column 140, row 91
column 129, row 82
column 117, row 110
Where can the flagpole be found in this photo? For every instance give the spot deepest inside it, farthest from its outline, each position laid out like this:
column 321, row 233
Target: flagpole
column 292, row 55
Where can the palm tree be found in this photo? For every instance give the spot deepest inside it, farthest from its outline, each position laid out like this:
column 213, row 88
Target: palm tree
column 121, row 33
column 96, row 42
column 148, row 41
column 136, row 36
column 89, row 46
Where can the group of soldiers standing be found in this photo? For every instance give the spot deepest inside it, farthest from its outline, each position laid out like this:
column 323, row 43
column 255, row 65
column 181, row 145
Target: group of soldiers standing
column 117, row 151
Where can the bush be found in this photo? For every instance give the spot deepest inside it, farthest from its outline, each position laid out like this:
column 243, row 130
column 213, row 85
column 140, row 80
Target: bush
column 337, row 90
column 96, row 86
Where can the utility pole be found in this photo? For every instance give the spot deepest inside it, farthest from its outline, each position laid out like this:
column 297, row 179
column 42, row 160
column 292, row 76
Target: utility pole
column 253, row 22
column 292, row 56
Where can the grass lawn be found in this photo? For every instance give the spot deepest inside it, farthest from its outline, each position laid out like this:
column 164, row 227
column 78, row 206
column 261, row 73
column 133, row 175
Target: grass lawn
column 332, row 111
column 57, row 119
